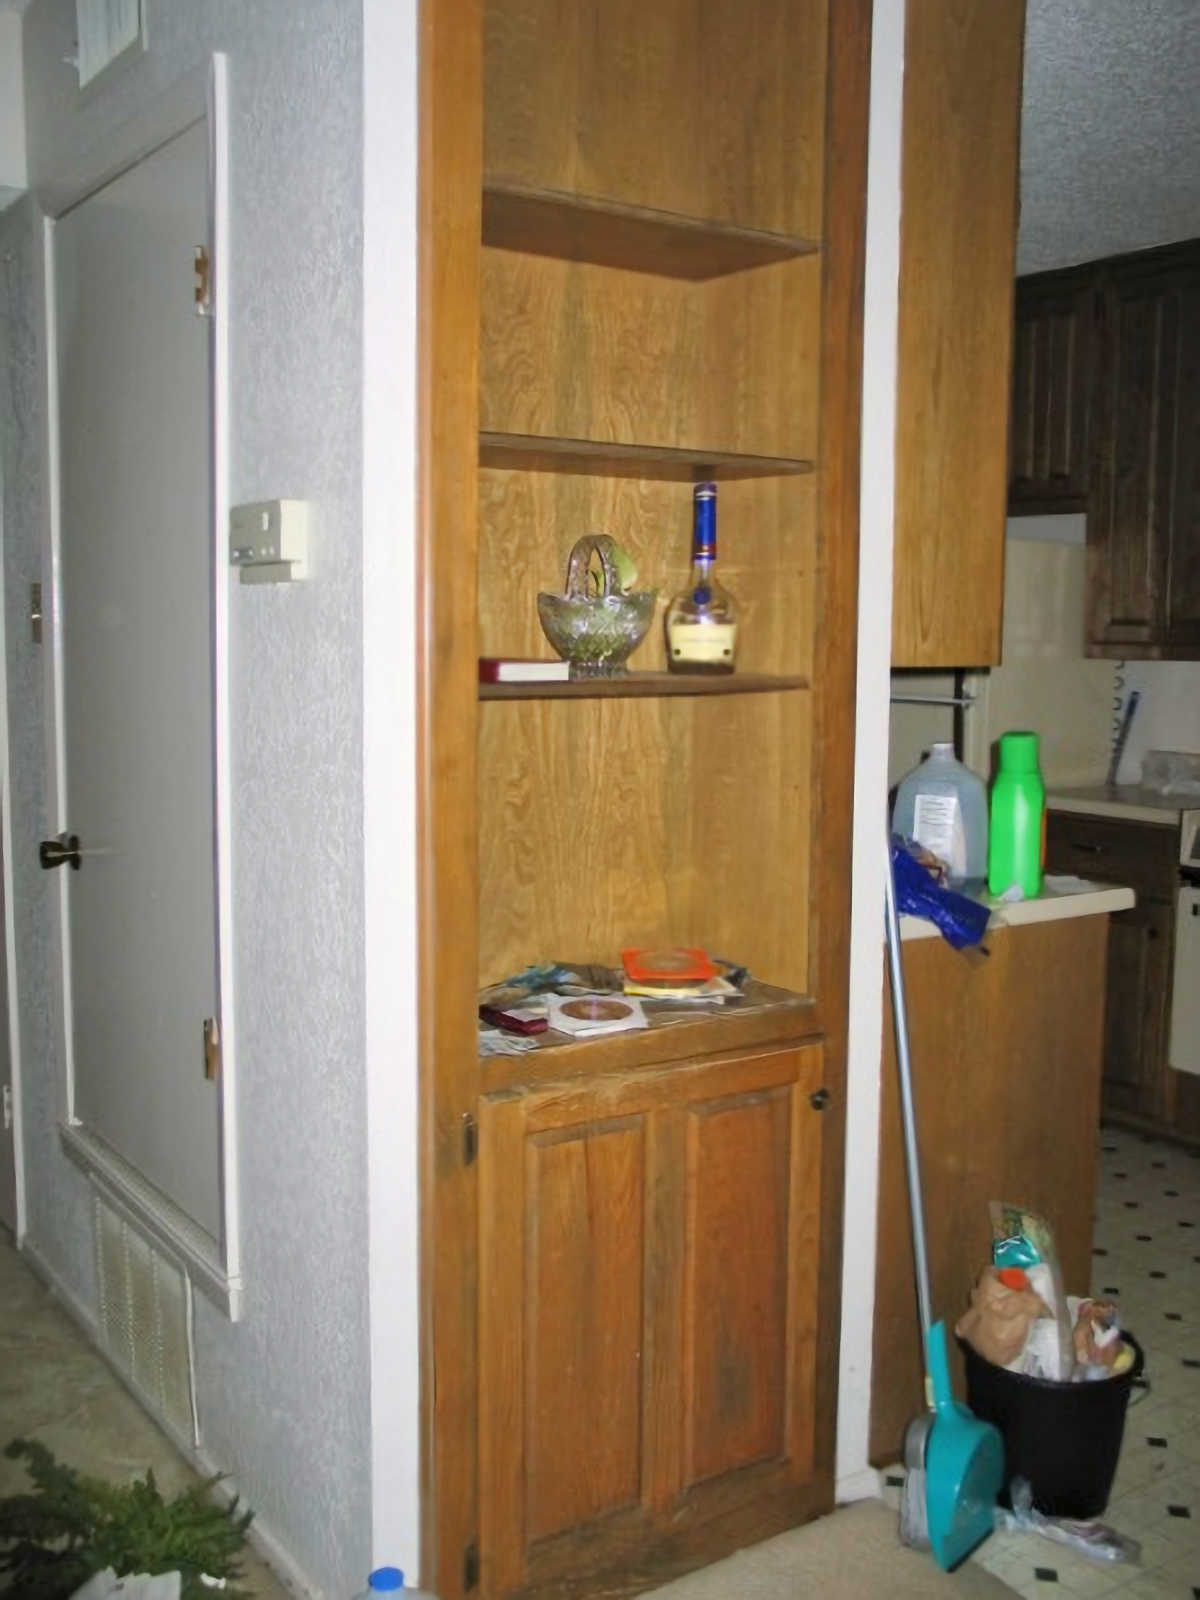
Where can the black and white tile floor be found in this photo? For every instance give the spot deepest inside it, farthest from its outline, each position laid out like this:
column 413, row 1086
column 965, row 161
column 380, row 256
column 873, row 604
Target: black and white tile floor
column 1146, row 1257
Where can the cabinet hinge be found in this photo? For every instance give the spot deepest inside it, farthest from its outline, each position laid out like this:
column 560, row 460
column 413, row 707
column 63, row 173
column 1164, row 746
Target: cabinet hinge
column 471, row 1565
column 470, row 1139
column 202, row 289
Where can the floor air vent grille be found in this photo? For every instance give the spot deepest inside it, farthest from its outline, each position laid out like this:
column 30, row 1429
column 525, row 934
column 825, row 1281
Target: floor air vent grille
column 145, row 1318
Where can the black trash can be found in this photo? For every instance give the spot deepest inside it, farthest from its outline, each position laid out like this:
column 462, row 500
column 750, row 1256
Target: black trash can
column 1064, row 1437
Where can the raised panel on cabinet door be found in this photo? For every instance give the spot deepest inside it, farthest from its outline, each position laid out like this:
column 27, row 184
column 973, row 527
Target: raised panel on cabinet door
column 1138, row 994
column 584, row 1186
column 1130, row 507
column 1048, row 462
column 1183, row 573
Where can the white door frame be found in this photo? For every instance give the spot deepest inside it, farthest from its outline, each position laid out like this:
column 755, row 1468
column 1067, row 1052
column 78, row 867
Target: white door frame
column 8, row 936
column 215, row 1267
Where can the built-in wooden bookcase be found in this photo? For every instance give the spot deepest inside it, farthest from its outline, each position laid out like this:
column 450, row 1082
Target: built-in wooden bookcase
column 668, row 204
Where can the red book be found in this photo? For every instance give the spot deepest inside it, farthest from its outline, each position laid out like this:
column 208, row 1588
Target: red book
column 671, row 965
column 521, row 669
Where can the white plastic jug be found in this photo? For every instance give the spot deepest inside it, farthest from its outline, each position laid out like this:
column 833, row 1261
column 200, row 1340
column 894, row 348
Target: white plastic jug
column 943, row 806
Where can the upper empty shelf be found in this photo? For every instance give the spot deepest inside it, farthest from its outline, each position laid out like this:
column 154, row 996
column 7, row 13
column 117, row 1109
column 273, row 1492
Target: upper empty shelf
column 548, row 222
column 534, row 452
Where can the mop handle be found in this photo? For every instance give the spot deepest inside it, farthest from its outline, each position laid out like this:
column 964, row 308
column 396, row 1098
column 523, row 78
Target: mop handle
column 904, row 1063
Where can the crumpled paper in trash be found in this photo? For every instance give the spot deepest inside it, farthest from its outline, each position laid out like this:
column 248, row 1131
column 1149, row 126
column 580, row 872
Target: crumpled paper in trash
column 997, row 1322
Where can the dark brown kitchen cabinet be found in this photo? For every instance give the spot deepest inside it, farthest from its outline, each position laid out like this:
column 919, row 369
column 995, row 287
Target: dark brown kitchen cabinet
column 1135, row 1028
column 1051, row 392
column 1144, row 495
column 1137, row 1086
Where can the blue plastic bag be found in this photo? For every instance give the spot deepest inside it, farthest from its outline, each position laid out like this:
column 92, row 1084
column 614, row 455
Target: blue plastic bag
column 960, row 920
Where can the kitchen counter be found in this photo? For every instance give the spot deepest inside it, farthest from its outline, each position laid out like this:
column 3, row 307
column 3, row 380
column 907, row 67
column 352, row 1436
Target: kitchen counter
column 1061, row 898
column 1131, row 802
column 1006, row 1060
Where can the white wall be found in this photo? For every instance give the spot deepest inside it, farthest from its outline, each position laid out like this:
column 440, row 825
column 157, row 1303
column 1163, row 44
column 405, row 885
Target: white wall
column 12, row 109
column 1044, row 681
column 854, row 1477
column 286, row 1397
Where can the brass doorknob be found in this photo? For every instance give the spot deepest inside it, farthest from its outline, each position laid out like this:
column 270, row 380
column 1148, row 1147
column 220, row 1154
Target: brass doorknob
column 58, row 852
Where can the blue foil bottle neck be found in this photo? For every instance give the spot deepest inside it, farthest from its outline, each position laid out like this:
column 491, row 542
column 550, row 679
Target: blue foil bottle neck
column 704, row 522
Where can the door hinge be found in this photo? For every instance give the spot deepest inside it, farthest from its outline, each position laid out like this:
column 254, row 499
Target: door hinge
column 471, row 1565
column 202, row 294
column 36, row 615
column 6, row 1094
column 470, row 1139
column 212, row 1049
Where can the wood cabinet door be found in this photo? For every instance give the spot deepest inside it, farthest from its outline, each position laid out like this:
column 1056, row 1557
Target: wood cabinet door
column 1052, row 356
column 1138, row 997
column 1183, row 567
column 962, row 99
column 1135, row 458
column 649, row 1250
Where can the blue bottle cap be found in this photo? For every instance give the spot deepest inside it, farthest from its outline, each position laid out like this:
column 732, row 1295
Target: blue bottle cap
column 385, row 1579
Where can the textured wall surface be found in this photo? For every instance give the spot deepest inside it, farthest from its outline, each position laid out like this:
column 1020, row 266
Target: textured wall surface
column 284, row 1396
column 1109, row 130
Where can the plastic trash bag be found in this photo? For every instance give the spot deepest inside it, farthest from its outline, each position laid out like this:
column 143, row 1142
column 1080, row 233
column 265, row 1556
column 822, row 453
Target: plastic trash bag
column 960, row 920
column 1095, row 1538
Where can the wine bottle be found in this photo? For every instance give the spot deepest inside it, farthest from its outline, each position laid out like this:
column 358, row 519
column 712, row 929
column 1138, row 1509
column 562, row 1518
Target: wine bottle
column 701, row 620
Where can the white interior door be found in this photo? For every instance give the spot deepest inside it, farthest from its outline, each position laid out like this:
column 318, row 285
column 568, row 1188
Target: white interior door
column 136, row 658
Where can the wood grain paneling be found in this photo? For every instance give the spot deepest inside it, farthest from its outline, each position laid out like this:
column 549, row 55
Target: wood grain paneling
column 583, row 352
column 647, row 822
column 708, row 111
column 1006, row 1056
column 962, row 80
column 648, row 1269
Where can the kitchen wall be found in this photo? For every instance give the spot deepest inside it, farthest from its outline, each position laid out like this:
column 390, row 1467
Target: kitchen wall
column 1168, row 714
column 1045, row 681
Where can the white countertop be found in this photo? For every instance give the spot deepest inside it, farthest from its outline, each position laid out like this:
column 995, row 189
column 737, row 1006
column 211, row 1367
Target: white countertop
column 1128, row 801
column 1061, row 898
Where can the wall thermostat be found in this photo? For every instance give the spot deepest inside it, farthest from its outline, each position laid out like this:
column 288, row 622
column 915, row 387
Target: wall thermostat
column 269, row 540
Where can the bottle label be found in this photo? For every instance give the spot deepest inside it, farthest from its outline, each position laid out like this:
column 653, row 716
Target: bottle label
column 710, row 642
column 938, row 828
column 704, row 522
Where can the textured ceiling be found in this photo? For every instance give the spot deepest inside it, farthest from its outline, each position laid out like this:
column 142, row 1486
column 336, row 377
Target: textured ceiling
column 1110, row 130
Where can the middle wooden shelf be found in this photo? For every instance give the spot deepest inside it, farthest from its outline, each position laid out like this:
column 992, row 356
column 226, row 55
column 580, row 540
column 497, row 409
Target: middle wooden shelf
column 639, row 685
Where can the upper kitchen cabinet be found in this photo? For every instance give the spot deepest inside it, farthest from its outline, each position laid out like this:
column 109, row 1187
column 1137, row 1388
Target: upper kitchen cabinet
column 1051, row 392
column 962, row 98
column 1144, row 494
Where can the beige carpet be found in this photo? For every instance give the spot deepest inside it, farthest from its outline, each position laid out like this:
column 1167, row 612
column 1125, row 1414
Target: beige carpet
column 853, row 1554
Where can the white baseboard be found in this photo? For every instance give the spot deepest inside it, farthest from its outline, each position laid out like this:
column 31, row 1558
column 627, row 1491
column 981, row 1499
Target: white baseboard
column 260, row 1535
column 862, row 1485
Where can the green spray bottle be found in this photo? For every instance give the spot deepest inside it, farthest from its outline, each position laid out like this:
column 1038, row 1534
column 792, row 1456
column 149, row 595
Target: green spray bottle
column 1018, row 812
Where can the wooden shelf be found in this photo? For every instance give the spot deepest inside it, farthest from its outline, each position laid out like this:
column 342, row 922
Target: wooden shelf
column 571, row 227
column 774, row 1016
column 534, row 452
column 642, row 685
